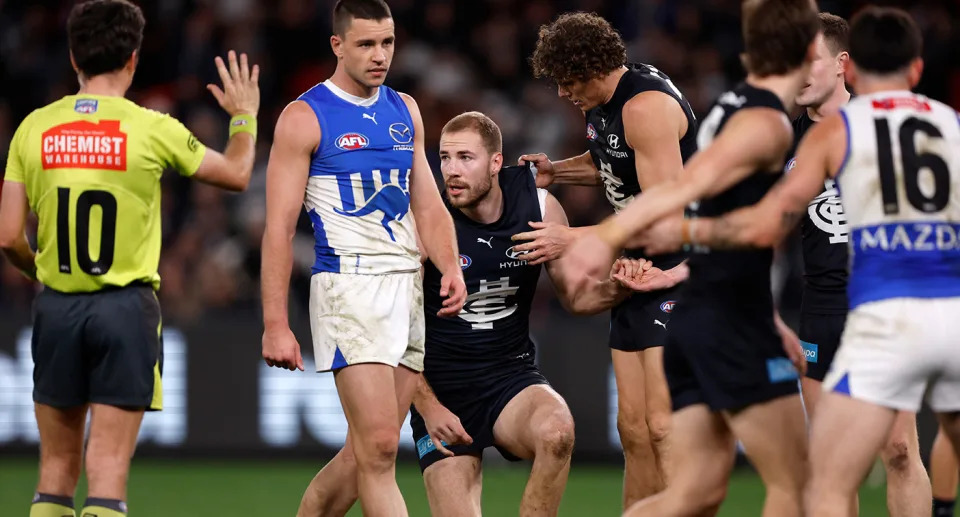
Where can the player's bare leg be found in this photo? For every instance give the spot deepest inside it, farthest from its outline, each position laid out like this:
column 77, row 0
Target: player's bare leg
column 334, row 490
column 774, row 436
column 703, row 455
column 537, row 424
column 368, row 395
column 61, row 448
column 812, row 391
column 658, row 410
column 944, row 475
column 112, row 440
column 454, row 486
column 950, row 425
column 908, row 486
column 846, row 437
column 640, row 475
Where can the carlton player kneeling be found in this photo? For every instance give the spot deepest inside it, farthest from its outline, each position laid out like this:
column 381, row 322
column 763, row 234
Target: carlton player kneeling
column 486, row 387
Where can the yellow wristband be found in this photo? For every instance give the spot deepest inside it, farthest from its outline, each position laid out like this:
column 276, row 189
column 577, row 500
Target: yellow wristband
column 243, row 123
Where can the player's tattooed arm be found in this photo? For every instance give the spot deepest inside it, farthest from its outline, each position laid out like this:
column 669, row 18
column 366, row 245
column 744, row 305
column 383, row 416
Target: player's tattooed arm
column 578, row 170
column 13, row 240
column 763, row 225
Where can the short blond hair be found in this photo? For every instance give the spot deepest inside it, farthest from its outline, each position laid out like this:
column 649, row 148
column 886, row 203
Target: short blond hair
column 481, row 124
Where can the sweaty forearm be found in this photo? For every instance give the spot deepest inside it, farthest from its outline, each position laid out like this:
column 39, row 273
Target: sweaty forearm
column 578, row 170
column 277, row 264
column 599, row 297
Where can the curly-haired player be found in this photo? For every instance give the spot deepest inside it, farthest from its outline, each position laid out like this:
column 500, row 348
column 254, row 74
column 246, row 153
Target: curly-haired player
column 640, row 130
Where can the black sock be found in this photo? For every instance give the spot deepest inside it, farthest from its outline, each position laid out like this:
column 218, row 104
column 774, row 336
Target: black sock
column 48, row 505
column 943, row 507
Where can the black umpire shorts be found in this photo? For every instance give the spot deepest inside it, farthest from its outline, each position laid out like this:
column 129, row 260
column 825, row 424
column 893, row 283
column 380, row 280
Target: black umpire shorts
column 103, row 347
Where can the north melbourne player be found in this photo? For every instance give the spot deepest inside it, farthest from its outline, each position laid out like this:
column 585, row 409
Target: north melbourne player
column 731, row 374
column 89, row 166
column 894, row 156
column 351, row 151
column 640, row 130
column 824, row 238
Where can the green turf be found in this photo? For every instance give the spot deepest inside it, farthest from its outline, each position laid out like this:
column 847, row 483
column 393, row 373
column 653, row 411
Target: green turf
column 165, row 488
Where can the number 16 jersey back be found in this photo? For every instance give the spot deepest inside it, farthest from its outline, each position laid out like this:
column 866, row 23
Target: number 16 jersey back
column 91, row 166
column 900, row 186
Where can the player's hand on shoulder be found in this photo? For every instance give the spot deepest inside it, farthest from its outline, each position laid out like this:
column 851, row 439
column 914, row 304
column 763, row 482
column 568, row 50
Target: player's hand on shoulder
column 281, row 349
column 547, row 241
column 241, row 92
column 453, row 290
column 544, row 168
column 663, row 236
column 445, row 428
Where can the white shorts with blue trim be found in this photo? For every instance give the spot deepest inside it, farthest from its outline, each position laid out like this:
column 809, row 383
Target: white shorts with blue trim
column 367, row 319
column 899, row 352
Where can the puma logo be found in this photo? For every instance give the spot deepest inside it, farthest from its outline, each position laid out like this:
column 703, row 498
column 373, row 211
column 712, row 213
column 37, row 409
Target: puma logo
column 487, row 242
column 392, row 200
column 662, row 324
column 371, row 117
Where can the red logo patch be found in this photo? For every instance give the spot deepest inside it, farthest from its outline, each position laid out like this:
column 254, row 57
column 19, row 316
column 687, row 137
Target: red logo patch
column 901, row 102
column 85, row 145
column 352, row 141
column 591, row 132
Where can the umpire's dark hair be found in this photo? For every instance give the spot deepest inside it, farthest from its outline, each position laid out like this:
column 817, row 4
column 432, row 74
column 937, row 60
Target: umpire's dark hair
column 884, row 40
column 344, row 11
column 103, row 34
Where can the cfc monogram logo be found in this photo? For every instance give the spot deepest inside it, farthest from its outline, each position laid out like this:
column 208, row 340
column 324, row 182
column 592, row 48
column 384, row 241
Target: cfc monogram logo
column 489, row 303
column 826, row 213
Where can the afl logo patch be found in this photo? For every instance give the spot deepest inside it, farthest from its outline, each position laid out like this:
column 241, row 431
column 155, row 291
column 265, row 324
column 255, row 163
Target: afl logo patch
column 352, row 141
column 667, row 306
column 465, row 262
column 591, row 132
column 790, row 165
column 86, row 106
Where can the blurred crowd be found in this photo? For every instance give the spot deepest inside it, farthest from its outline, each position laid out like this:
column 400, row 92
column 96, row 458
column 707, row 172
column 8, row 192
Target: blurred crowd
column 452, row 56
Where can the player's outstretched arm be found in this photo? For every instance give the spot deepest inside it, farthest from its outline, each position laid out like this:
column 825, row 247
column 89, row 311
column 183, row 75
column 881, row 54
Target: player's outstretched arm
column 13, row 217
column 754, row 138
column 296, row 136
column 578, row 170
column 596, row 296
column 434, row 221
column 442, row 425
column 240, row 98
column 763, row 225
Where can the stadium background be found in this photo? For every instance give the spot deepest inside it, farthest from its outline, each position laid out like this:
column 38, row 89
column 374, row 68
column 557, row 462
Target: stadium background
column 238, row 438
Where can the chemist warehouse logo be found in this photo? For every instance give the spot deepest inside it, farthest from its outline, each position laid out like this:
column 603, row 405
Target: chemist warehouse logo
column 85, row 145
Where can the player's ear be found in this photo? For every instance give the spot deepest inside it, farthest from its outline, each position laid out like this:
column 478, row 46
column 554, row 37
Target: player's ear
column 336, row 44
column 843, row 62
column 73, row 63
column 496, row 161
column 915, row 72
